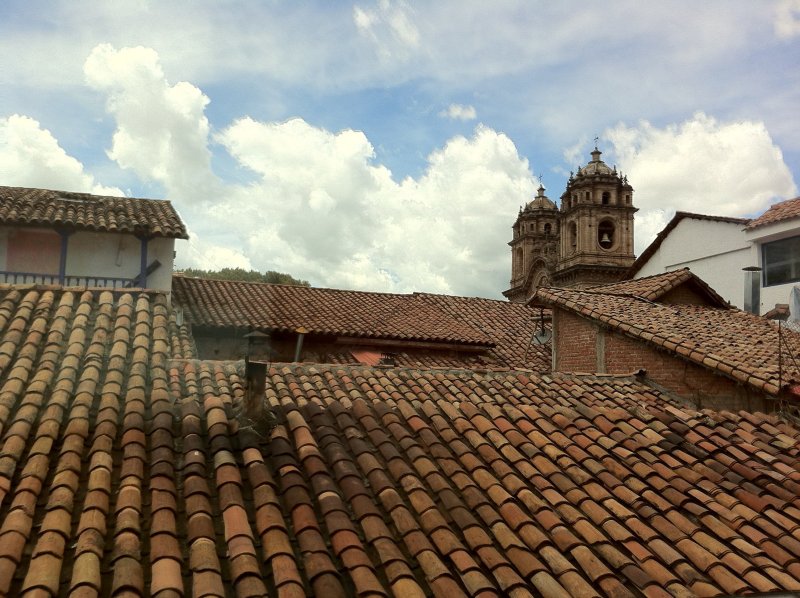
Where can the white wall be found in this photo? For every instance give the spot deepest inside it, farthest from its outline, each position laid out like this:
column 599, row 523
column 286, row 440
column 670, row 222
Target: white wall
column 110, row 255
column 764, row 234
column 714, row 251
column 119, row 256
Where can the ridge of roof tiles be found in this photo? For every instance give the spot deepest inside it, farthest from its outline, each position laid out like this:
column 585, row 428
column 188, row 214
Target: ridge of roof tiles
column 656, row 286
column 737, row 344
column 785, row 210
column 24, row 206
column 676, row 219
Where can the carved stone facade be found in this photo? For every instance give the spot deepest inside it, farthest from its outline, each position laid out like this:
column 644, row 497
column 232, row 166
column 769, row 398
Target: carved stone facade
column 534, row 248
column 588, row 241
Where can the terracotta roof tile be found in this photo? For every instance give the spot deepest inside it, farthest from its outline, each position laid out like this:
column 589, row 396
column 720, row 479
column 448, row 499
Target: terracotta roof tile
column 784, row 210
column 22, row 206
column 654, row 288
column 742, row 346
column 503, row 329
column 368, row 480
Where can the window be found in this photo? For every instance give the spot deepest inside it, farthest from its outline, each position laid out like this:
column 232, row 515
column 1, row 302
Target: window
column 573, row 236
column 547, row 228
column 605, row 234
column 518, row 261
column 606, row 198
column 781, row 261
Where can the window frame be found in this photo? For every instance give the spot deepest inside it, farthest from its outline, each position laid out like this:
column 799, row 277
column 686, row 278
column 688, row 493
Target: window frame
column 793, row 262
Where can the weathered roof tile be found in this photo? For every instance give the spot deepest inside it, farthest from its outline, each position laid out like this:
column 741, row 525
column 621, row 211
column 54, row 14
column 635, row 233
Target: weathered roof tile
column 743, row 346
column 784, row 210
column 22, row 206
column 371, row 481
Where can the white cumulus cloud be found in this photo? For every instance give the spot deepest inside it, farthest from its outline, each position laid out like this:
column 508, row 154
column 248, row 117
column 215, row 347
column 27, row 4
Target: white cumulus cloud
column 320, row 207
column 700, row 165
column 323, row 209
column 31, row 157
column 162, row 131
column 459, row 112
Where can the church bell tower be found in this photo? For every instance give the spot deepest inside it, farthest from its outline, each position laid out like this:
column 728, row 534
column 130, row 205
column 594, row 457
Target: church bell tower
column 534, row 248
column 596, row 227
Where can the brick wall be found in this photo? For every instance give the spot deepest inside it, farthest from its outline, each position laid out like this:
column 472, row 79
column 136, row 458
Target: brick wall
column 575, row 340
column 579, row 341
column 684, row 295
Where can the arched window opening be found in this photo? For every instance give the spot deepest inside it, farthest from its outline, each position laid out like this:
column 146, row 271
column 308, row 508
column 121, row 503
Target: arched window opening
column 606, row 198
column 518, row 261
column 588, row 196
column 547, row 228
column 573, row 236
column 605, row 234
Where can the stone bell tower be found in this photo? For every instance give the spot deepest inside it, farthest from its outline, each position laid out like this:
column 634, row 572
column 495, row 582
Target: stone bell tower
column 534, row 247
column 596, row 227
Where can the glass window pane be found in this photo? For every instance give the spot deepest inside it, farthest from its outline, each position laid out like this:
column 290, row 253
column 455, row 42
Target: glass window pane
column 781, row 261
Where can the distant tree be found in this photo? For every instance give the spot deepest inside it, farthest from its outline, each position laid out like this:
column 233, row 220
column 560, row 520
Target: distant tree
column 246, row 276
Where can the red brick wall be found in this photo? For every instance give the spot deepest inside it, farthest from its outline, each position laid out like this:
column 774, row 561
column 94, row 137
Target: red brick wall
column 574, row 340
column 685, row 296
column 576, row 351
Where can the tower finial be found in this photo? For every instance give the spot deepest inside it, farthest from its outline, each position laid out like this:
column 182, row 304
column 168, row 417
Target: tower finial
column 596, row 139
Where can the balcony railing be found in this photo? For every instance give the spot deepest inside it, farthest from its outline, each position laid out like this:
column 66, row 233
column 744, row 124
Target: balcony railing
column 87, row 281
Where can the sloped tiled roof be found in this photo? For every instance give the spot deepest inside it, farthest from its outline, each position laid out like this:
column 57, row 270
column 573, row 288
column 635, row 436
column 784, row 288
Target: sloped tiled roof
column 504, row 328
column 23, row 206
column 123, row 472
column 509, row 325
column 656, row 286
column 276, row 307
column 676, row 219
column 458, row 484
column 785, row 210
column 735, row 343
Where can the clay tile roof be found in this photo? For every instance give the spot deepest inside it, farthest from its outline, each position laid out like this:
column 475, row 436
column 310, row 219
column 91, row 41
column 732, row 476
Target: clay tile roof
column 23, row 206
column 124, row 471
column 656, row 243
column 275, row 307
column 503, row 328
column 785, row 210
column 735, row 343
column 657, row 286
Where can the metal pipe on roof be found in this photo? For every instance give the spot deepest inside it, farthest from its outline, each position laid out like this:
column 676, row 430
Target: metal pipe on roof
column 752, row 289
column 301, row 333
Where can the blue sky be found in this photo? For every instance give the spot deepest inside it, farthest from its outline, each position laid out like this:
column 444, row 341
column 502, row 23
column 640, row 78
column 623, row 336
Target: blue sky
column 388, row 145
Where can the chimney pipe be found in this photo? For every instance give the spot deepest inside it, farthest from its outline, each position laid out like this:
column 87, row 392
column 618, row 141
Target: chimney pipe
column 301, row 333
column 752, row 289
column 256, row 384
